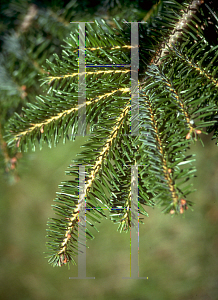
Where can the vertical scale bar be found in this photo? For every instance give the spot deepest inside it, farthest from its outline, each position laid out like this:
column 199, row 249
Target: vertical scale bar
column 134, row 79
column 82, row 227
column 82, row 82
column 82, row 131
column 134, row 233
column 134, row 271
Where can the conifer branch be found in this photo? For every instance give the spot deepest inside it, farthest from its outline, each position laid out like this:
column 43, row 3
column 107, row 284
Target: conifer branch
column 188, row 11
column 203, row 71
column 177, row 102
column 51, row 78
column 72, row 224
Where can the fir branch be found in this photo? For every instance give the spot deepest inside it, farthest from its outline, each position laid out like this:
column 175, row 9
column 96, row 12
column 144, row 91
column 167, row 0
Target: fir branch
column 43, row 118
column 197, row 67
column 51, row 78
column 176, row 104
column 65, row 247
column 49, row 120
column 159, row 147
column 178, row 21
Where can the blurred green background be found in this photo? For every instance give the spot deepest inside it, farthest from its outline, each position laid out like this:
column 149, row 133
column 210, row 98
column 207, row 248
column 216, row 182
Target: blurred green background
column 178, row 254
